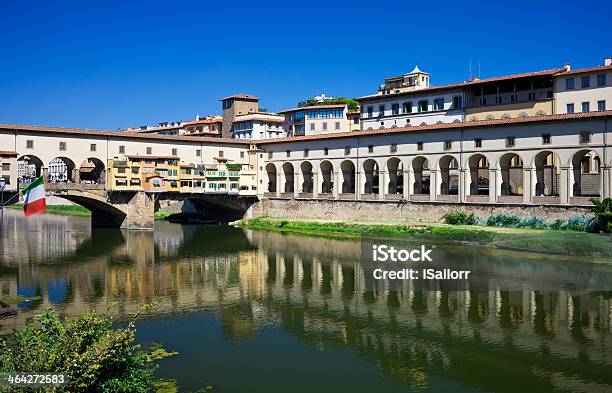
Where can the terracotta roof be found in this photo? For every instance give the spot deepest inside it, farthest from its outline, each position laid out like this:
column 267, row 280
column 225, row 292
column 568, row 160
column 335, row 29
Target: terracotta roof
column 119, row 135
column 147, row 157
column 551, row 72
column 329, row 106
column 8, row 153
column 440, row 127
column 202, row 121
column 279, row 119
column 242, row 96
column 589, row 69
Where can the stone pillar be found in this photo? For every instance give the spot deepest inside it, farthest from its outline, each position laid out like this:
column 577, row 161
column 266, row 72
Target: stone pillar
column 337, row 179
column 383, row 178
column 296, row 184
column 358, row 186
column 45, row 174
column 434, row 176
column 606, row 175
column 408, row 175
column 464, row 185
column 278, row 184
column 493, row 184
column 315, row 184
column 410, row 182
column 529, row 182
column 565, row 188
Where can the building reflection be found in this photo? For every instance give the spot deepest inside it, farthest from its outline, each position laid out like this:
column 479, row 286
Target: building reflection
column 316, row 289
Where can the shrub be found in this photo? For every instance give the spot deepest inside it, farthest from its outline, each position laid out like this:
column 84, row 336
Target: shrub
column 578, row 223
column 603, row 210
column 87, row 350
column 459, row 218
column 503, row 220
column 532, row 222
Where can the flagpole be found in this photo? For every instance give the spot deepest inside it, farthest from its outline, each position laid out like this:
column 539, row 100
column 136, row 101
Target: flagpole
column 2, row 185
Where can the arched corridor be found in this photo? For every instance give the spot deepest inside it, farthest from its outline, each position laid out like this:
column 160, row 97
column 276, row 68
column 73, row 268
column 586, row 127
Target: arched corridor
column 271, row 174
column 348, row 178
column 395, row 171
column 587, row 175
column 327, row 177
column 307, row 177
column 420, row 167
column 371, row 181
column 547, row 174
column 478, row 173
column 288, row 175
column 449, row 176
column 511, row 172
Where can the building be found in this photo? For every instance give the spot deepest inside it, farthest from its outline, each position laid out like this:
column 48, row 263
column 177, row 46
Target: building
column 584, row 90
column 8, row 168
column 235, row 105
column 208, row 126
column 258, row 125
column 316, row 120
column 147, row 173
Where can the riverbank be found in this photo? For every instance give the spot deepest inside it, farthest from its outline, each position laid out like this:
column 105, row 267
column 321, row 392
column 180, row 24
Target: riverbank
column 66, row 210
column 532, row 240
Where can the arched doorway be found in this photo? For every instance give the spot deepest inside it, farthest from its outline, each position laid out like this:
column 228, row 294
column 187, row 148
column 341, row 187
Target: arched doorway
column 307, row 177
column 420, row 167
column 395, row 170
column 28, row 168
column 511, row 168
column 370, row 172
column 288, row 173
column 449, row 176
column 271, row 173
column 348, row 177
column 547, row 174
column 586, row 171
column 479, row 175
column 327, row 183
column 92, row 171
column 62, row 170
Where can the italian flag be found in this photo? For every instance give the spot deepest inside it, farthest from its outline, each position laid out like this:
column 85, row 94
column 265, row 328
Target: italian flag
column 34, row 202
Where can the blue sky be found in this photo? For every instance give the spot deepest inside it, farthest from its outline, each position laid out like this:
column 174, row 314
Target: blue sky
column 110, row 64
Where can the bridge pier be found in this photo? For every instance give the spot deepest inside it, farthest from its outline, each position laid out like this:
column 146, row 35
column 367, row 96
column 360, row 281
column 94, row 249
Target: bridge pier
column 139, row 213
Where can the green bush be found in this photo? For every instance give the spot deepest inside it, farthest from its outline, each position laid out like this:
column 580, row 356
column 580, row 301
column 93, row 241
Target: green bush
column 503, row 220
column 459, row 218
column 603, row 211
column 92, row 355
column 532, row 222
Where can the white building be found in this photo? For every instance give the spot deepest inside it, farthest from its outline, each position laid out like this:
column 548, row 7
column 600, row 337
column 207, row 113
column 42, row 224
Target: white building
column 258, row 126
column 584, row 90
column 316, row 120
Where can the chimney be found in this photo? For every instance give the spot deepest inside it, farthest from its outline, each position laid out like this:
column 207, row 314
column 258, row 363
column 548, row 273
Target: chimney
column 567, row 66
column 608, row 61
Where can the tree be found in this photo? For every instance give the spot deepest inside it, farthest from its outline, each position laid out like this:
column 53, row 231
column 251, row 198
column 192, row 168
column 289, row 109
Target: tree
column 350, row 103
column 603, row 210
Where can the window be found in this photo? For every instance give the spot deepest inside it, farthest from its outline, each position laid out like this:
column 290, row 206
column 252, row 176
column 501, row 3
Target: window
column 509, row 141
column 6, row 166
column 585, row 81
column 546, row 139
column 121, row 169
column 601, row 80
column 371, row 149
column 478, row 142
column 585, row 137
column 241, row 154
column 288, row 153
column 570, row 108
column 395, row 109
column 149, row 150
column 569, row 83
column 221, row 153
column 381, row 110
column 227, row 104
column 407, row 107
column 347, row 150
column 175, row 152
column 457, row 102
column 337, row 125
column 312, row 126
column 121, row 149
column 585, row 106
column 448, row 145
column 324, row 126
column 92, row 147
column 438, row 104
column 419, row 145
column 62, row 146
column 601, row 105
column 423, row 104
column 370, row 111
column 198, row 153
column 394, row 148
column 29, row 144
column 306, row 151
column 325, row 151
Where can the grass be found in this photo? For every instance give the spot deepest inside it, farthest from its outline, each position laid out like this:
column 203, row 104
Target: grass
column 549, row 242
column 162, row 215
column 68, row 210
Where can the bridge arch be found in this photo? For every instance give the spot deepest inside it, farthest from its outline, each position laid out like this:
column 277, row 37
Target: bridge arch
column 29, row 167
column 62, row 170
column 93, row 171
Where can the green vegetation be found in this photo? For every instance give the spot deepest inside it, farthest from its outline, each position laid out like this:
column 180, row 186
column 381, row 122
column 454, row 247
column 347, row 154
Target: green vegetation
column 350, row 103
column 94, row 356
column 559, row 242
column 162, row 215
column 580, row 223
column 68, row 210
column 603, row 211
column 11, row 301
column 460, row 218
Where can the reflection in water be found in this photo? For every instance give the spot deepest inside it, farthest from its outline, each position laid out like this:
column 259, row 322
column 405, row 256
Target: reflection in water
column 261, row 286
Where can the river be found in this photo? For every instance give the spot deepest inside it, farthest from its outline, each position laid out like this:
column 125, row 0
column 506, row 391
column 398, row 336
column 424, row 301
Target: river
column 256, row 311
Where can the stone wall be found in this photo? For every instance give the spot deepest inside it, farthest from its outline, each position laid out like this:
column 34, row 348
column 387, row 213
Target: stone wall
column 378, row 211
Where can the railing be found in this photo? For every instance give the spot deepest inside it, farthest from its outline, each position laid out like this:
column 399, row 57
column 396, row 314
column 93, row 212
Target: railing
column 73, row 186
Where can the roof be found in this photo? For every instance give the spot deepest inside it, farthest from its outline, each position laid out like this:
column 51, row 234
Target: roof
column 207, row 120
column 8, row 153
column 440, row 127
column 148, row 157
column 551, row 72
column 241, row 96
column 590, row 69
column 328, row 106
column 119, row 135
column 261, row 117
